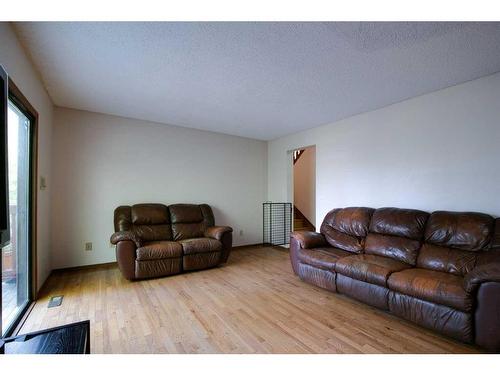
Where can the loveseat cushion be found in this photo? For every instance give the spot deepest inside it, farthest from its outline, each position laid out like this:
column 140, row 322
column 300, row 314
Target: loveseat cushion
column 322, row 257
column 469, row 231
column 159, row 250
column 200, row 245
column 185, row 213
column 151, row 222
column 148, row 221
column 438, row 287
column 159, row 232
column 149, row 214
column 369, row 268
column 190, row 220
column 346, row 228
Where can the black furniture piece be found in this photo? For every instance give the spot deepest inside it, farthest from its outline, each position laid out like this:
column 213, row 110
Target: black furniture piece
column 72, row 338
column 277, row 223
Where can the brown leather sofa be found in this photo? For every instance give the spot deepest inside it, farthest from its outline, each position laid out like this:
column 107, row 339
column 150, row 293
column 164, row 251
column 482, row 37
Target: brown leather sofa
column 438, row 270
column 154, row 240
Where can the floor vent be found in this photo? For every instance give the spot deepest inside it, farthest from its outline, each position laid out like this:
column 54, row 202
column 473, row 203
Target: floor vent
column 55, row 301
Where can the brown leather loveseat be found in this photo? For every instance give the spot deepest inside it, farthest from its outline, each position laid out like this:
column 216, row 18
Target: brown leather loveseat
column 438, row 270
column 154, row 240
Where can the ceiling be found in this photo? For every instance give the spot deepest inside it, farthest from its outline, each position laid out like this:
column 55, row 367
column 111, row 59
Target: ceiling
column 257, row 80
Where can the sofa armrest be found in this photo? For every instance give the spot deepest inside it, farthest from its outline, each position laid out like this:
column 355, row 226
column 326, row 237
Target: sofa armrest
column 309, row 240
column 481, row 274
column 125, row 236
column 216, row 232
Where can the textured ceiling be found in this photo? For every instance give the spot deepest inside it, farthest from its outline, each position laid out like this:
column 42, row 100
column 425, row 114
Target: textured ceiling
column 258, row 80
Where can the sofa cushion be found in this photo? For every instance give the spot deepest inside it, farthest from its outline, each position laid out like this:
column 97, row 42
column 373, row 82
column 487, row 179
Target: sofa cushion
column 495, row 238
column 461, row 230
column 372, row 294
column 443, row 319
column 369, row 268
column 396, row 233
column 398, row 248
column 342, row 241
column 447, row 259
column 399, row 222
column 200, row 245
column 322, row 257
column 323, row 278
column 159, row 250
column 345, row 228
column 438, row 287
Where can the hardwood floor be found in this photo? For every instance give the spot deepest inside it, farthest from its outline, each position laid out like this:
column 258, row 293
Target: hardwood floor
column 253, row 304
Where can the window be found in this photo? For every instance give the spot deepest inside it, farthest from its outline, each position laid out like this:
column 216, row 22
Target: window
column 17, row 247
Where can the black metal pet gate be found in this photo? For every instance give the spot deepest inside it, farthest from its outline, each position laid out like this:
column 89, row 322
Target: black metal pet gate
column 277, row 223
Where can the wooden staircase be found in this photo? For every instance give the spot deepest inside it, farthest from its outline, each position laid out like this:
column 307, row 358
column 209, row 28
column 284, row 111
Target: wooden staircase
column 300, row 222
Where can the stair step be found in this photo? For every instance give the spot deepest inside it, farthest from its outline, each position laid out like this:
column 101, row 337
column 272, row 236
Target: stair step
column 300, row 223
column 310, row 229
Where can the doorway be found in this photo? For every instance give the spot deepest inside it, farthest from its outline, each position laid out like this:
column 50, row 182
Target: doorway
column 304, row 188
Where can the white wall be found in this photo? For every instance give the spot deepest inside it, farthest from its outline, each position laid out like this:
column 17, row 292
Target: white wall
column 20, row 69
column 304, row 184
column 436, row 151
column 102, row 161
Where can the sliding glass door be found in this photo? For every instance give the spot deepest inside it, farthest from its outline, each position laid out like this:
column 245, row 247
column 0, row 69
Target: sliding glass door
column 16, row 255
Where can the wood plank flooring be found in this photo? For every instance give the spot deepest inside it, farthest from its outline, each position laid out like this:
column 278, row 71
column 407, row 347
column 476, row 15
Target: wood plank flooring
column 253, row 304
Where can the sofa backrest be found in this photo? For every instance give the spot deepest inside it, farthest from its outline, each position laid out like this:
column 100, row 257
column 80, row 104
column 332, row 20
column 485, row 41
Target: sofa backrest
column 455, row 240
column 149, row 221
column 396, row 233
column 346, row 228
column 190, row 220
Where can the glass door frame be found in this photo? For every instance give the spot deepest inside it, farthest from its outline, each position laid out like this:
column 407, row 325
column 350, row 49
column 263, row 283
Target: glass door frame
column 22, row 103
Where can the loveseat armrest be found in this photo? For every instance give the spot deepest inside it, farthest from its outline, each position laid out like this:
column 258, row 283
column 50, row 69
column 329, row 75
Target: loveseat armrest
column 481, row 274
column 309, row 240
column 225, row 236
column 125, row 236
column 216, row 232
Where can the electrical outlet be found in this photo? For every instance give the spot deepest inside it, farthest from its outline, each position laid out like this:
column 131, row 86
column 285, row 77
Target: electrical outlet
column 241, row 232
column 88, row 246
column 43, row 183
